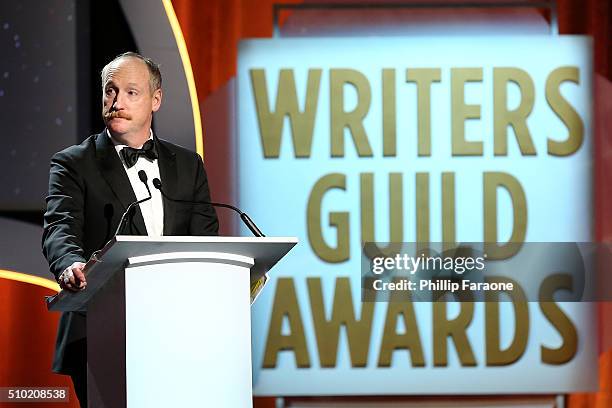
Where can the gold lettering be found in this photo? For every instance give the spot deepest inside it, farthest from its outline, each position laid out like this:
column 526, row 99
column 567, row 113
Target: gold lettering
column 564, row 111
column 328, row 331
column 271, row 123
column 448, row 210
column 460, row 111
column 410, row 340
column 495, row 355
column 423, row 77
column 286, row 305
column 352, row 120
column 422, row 207
column 396, row 217
column 338, row 220
column 558, row 319
column 493, row 180
column 456, row 329
column 517, row 118
column 388, row 108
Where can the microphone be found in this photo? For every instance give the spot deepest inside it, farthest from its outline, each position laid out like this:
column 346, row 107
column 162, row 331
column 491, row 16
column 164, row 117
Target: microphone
column 143, row 177
column 243, row 216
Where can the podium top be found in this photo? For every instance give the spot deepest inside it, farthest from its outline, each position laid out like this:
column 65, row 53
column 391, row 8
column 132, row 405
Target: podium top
column 113, row 258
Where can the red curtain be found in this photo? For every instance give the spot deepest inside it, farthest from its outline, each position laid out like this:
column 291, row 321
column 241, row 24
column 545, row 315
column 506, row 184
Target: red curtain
column 212, row 30
column 594, row 17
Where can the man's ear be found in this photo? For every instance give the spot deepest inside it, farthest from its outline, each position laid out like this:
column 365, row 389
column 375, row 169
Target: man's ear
column 157, row 98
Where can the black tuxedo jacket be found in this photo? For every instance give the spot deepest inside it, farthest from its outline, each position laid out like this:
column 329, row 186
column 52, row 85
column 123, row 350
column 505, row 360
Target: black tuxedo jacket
column 89, row 190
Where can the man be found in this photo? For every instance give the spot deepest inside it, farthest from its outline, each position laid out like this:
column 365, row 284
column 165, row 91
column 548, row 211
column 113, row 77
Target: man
column 92, row 184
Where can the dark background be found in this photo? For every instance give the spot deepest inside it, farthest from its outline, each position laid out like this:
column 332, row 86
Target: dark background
column 52, row 53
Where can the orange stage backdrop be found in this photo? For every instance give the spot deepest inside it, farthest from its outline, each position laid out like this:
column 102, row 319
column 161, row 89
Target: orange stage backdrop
column 27, row 341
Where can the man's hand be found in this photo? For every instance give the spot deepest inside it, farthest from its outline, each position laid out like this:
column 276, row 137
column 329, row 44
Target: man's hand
column 73, row 278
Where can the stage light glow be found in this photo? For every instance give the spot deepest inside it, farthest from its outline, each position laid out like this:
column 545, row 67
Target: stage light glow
column 193, row 94
column 34, row 280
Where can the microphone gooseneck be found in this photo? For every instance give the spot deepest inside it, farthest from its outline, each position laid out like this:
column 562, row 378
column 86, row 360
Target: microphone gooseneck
column 143, row 177
column 243, row 216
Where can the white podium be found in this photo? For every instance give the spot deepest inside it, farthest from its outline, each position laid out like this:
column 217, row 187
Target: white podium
column 169, row 320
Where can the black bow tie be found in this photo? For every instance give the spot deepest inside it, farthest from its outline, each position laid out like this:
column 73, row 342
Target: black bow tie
column 130, row 155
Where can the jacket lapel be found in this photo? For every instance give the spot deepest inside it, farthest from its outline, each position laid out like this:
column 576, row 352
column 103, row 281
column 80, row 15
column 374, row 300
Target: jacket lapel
column 168, row 174
column 114, row 173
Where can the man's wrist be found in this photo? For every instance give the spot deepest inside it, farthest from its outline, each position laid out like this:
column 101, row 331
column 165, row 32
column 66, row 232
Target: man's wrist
column 60, row 278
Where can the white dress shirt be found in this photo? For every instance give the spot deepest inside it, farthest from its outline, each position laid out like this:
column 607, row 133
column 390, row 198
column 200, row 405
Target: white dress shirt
column 152, row 210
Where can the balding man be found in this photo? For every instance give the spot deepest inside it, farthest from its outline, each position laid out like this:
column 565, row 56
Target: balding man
column 92, row 184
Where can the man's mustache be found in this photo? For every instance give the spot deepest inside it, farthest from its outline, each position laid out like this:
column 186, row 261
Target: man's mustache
column 116, row 114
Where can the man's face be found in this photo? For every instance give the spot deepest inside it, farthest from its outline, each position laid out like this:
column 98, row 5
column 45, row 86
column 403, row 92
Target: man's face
column 127, row 101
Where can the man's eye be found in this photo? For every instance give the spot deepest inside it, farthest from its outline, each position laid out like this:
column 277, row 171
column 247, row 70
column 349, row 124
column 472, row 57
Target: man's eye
column 132, row 92
column 109, row 91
